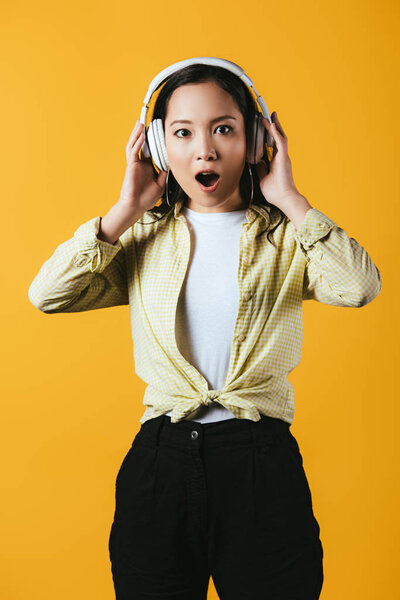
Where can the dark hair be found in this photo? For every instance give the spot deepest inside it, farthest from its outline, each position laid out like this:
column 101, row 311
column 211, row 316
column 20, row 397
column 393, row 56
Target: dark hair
column 199, row 73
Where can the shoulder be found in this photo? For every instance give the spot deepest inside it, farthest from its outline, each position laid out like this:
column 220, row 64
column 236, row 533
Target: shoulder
column 148, row 228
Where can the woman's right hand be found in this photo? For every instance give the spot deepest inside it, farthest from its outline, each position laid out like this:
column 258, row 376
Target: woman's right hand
column 140, row 189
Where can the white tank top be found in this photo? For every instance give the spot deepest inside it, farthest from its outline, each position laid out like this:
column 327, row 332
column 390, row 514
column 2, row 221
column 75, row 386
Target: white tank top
column 209, row 300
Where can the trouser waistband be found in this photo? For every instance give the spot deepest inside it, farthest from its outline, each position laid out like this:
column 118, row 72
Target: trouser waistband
column 186, row 433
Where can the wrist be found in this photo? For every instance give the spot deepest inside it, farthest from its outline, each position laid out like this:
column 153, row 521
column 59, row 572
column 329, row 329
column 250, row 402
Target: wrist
column 295, row 206
column 126, row 212
column 118, row 219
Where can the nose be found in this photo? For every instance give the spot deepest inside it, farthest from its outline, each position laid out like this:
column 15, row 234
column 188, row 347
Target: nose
column 206, row 149
column 206, row 154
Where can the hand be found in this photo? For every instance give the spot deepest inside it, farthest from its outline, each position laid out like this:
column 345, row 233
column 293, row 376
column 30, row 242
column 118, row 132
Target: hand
column 140, row 190
column 277, row 185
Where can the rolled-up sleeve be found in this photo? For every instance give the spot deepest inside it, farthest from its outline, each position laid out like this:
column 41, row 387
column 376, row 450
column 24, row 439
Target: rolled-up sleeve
column 84, row 273
column 339, row 271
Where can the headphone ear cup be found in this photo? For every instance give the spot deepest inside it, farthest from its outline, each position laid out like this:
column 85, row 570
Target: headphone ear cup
column 256, row 147
column 152, row 145
column 159, row 143
column 156, row 142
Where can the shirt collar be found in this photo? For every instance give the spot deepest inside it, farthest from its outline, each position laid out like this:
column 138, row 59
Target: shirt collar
column 251, row 212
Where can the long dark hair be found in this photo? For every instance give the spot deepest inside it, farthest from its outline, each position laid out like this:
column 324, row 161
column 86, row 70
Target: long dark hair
column 232, row 84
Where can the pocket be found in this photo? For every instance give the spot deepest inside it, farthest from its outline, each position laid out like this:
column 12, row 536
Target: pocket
column 123, row 465
column 134, row 484
column 281, row 459
column 299, row 477
column 127, row 457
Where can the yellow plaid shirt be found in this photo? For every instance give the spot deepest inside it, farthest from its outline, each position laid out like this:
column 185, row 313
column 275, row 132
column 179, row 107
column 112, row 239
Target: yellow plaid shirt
column 146, row 269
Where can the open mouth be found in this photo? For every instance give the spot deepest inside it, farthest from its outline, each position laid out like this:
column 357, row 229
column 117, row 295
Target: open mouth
column 207, row 179
column 208, row 182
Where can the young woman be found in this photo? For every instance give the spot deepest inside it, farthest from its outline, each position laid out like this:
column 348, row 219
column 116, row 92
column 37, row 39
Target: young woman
column 213, row 484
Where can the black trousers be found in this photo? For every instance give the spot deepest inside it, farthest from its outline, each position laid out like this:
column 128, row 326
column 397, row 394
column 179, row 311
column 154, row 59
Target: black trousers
column 228, row 499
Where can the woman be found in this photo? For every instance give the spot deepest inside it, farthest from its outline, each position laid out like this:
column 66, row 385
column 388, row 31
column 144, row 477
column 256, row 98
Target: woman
column 213, row 483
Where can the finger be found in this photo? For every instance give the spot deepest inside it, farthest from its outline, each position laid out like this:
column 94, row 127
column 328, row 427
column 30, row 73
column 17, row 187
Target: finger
column 273, row 133
column 136, row 131
column 134, row 153
column 133, row 131
column 162, row 176
column 132, row 140
column 278, row 125
column 270, row 138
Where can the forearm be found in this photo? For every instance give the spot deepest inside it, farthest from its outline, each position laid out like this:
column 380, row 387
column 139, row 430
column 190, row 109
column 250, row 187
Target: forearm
column 83, row 273
column 338, row 269
column 295, row 208
column 115, row 222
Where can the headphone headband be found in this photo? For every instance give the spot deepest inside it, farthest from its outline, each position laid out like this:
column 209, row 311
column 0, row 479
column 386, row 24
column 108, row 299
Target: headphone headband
column 204, row 60
column 154, row 144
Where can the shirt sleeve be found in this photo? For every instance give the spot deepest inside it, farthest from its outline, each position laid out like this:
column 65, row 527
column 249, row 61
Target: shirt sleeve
column 339, row 271
column 84, row 273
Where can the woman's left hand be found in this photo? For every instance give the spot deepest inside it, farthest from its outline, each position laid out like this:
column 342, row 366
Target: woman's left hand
column 278, row 185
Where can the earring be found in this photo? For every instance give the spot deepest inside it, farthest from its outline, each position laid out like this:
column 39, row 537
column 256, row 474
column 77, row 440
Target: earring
column 166, row 188
column 252, row 185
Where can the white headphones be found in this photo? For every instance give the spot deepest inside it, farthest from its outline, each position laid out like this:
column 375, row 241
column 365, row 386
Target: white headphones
column 154, row 143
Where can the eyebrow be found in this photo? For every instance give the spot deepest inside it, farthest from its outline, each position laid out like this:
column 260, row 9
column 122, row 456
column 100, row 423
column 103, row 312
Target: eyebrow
column 212, row 120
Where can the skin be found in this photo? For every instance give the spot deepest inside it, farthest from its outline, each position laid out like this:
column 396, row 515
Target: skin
column 220, row 146
column 203, row 144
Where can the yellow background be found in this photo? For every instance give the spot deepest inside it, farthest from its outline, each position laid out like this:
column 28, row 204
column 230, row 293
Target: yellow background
column 74, row 76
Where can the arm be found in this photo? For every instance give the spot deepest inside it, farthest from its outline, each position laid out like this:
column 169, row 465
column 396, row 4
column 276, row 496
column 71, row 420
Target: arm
column 88, row 271
column 84, row 273
column 339, row 271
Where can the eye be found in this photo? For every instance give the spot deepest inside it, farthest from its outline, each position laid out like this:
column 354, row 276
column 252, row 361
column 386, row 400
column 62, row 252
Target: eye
column 176, row 132
column 226, row 126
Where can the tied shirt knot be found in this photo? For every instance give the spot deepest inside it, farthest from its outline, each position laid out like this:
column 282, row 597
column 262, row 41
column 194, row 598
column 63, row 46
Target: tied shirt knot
column 209, row 397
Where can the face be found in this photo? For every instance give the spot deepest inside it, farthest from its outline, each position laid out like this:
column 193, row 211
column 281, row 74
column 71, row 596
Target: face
column 204, row 129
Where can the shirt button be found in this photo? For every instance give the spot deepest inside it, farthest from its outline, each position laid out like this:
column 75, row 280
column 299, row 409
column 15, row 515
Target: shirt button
column 194, row 434
column 241, row 337
column 247, row 296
